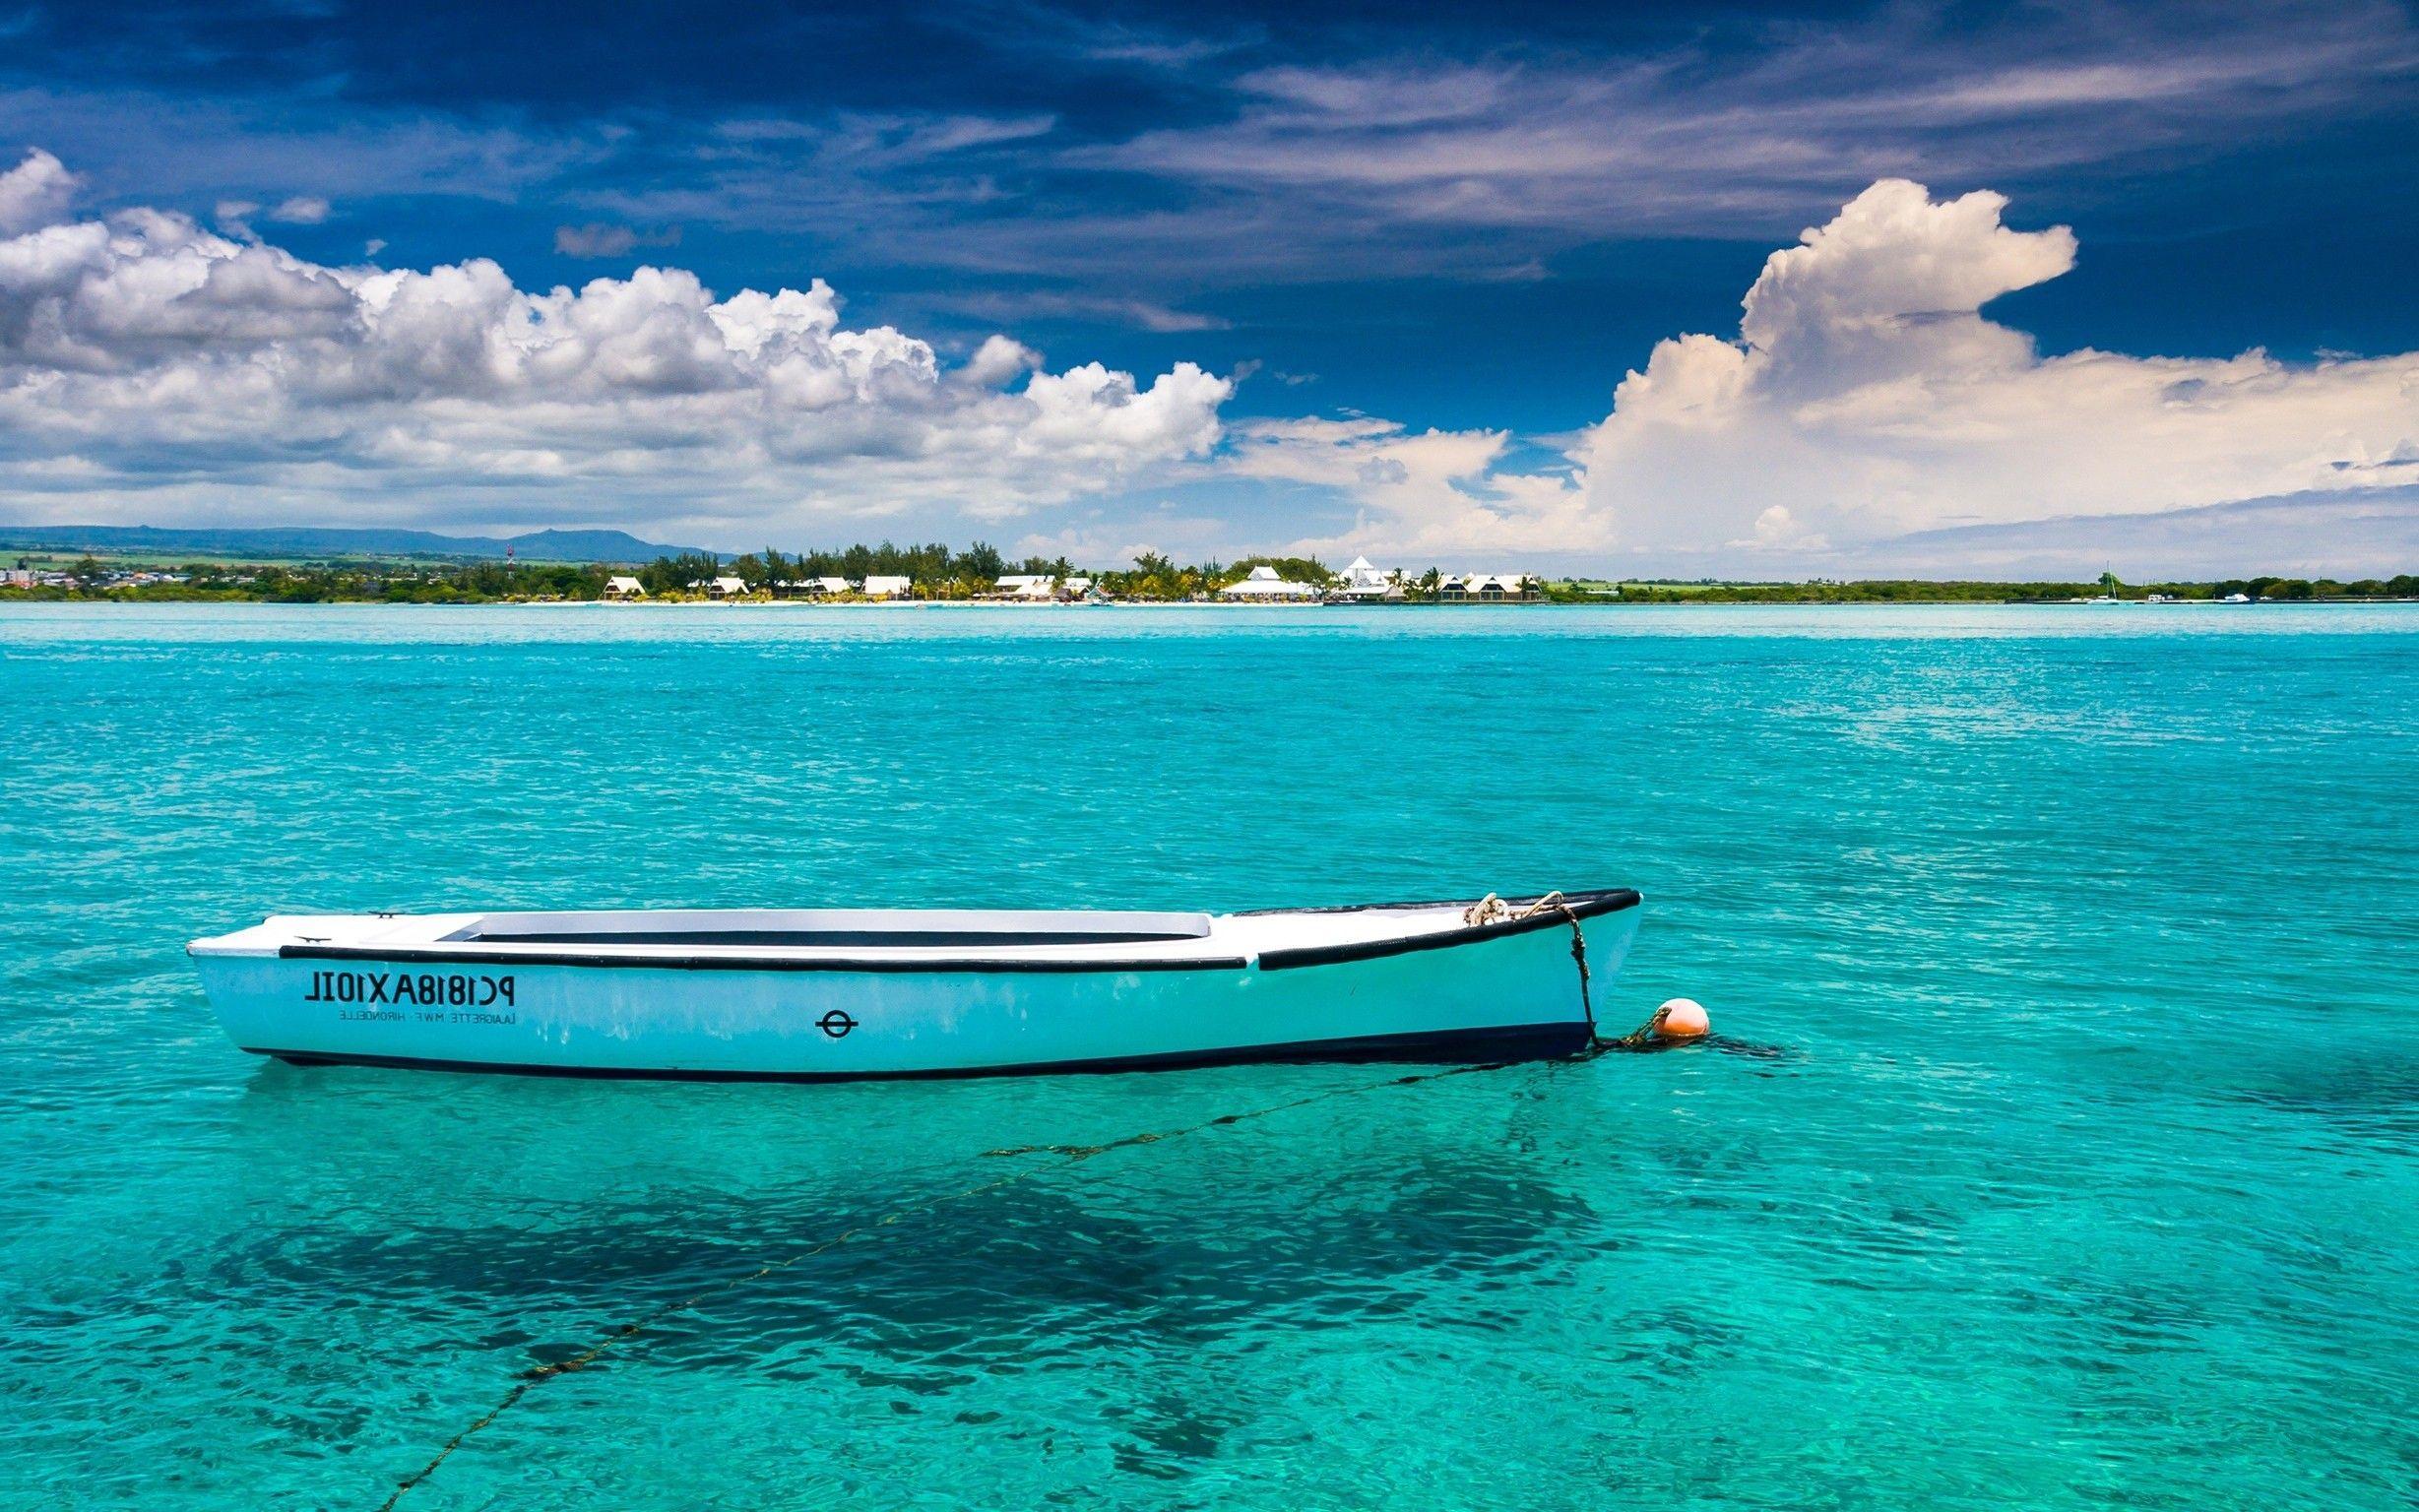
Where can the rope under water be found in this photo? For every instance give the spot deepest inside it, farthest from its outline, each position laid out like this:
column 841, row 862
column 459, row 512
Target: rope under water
column 1480, row 913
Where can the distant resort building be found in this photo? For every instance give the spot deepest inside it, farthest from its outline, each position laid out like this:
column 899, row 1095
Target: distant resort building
column 887, row 587
column 1364, row 582
column 810, row 587
column 1487, row 587
column 728, row 588
column 1028, row 585
column 624, row 588
column 1264, row 585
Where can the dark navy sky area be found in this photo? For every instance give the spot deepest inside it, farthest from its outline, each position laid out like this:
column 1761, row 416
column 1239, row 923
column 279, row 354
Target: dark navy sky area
column 1449, row 216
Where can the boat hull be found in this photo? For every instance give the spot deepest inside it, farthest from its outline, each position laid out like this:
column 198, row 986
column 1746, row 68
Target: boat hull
column 1482, row 995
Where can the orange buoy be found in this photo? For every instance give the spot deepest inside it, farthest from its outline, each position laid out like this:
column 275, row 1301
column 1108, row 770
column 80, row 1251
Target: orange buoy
column 1683, row 1018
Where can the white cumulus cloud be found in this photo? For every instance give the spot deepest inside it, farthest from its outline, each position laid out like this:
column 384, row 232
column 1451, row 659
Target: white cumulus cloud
column 146, row 361
column 1867, row 395
column 35, row 193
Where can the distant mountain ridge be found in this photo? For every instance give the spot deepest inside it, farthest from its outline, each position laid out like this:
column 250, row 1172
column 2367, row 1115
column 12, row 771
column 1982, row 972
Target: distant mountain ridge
column 548, row 546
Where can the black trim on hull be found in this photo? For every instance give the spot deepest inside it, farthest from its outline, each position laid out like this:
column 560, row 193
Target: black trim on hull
column 424, row 955
column 1519, row 1042
column 1583, row 906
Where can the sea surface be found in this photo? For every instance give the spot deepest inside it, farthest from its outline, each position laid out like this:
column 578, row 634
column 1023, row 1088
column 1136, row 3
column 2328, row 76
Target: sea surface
column 2061, row 1150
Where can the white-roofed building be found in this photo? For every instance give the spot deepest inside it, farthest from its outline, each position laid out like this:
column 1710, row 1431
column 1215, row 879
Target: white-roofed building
column 624, row 588
column 1487, row 587
column 1264, row 584
column 1363, row 581
column 1028, row 585
column 728, row 588
column 887, row 587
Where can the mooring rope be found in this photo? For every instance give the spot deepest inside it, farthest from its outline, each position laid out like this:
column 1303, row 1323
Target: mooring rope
column 1491, row 910
column 537, row 1375
column 1578, row 957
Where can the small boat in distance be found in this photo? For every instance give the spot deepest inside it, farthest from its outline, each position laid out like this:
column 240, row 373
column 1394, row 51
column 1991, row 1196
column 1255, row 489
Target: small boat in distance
column 840, row 993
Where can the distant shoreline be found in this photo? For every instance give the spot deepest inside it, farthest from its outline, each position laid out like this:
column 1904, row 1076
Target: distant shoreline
column 12, row 598
column 1473, row 605
column 891, row 576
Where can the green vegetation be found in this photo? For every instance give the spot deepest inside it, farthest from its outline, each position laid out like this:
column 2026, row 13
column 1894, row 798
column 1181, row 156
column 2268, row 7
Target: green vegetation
column 1158, row 578
column 318, row 583
column 2405, row 586
column 1294, row 569
column 1919, row 591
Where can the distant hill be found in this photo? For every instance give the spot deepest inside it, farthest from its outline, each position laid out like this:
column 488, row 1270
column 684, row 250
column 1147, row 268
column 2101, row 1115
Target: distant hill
column 331, row 540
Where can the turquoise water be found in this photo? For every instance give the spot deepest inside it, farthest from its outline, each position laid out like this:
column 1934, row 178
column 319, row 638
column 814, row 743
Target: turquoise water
column 2070, row 1155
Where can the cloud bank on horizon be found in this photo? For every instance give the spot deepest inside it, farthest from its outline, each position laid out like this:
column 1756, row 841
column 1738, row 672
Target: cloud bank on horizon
column 1866, row 411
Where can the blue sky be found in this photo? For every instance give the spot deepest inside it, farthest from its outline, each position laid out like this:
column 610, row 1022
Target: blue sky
column 1470, row 222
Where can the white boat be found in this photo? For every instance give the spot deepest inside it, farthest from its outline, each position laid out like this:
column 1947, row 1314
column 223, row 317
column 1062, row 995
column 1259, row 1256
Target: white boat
column 828, row 994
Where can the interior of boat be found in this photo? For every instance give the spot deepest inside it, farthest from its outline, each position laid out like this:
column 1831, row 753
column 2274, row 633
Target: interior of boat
column 844, row 927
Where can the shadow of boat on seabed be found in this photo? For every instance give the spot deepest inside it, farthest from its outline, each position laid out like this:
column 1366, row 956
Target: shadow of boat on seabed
column 1015, row 1277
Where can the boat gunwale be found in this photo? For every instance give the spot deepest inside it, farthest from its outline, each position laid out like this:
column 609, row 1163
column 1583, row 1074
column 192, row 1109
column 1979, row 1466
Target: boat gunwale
column 1584, row 900
column 1580, row 906
column 1576, row 906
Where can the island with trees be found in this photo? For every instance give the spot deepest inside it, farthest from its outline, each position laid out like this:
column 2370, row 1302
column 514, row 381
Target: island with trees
column 980, row 573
